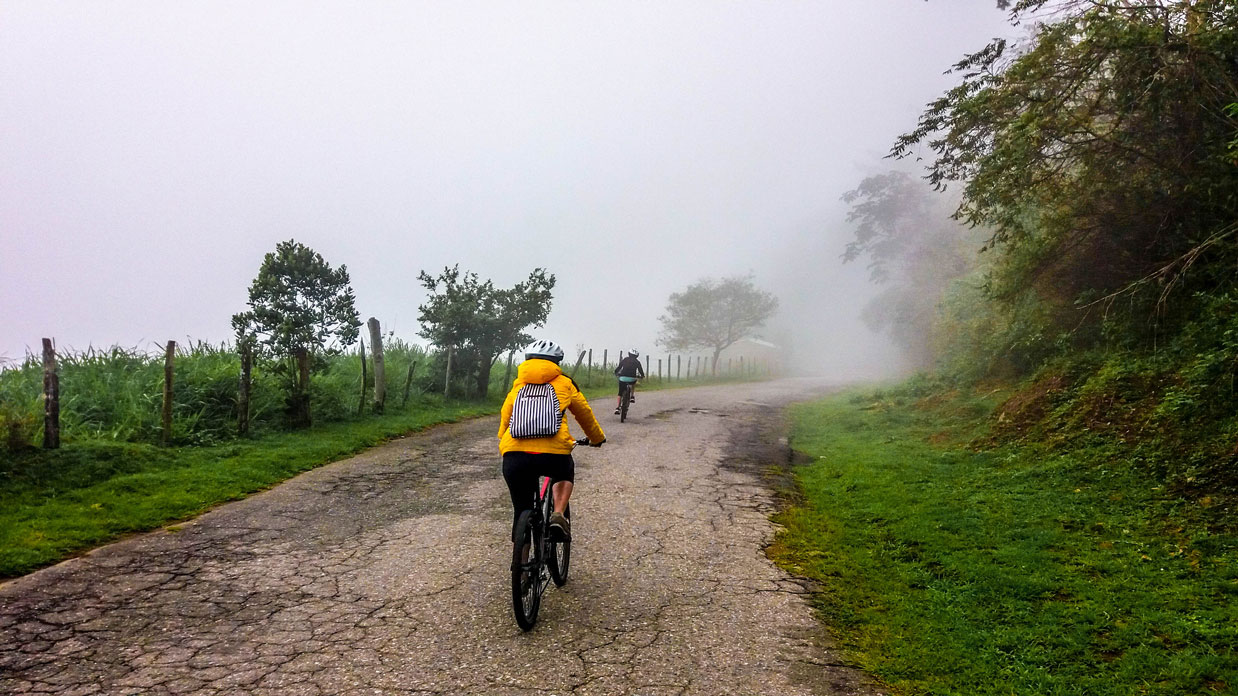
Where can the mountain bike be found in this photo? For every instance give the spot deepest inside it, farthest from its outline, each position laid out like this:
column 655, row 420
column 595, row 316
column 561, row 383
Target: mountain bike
column 628, row 389
column 537, row 559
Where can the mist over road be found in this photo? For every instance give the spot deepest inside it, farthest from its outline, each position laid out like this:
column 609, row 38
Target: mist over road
column 388, row 573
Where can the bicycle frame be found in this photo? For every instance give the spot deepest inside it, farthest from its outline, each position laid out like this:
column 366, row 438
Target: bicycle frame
column 540, row 523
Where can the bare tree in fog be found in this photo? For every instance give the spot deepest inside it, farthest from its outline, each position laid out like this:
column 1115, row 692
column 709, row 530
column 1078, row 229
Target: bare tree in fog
column 914, row 248
column 714, row 314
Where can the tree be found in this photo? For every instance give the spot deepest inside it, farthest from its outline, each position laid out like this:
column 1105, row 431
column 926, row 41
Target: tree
column 714, row 314
column 914, row 249
column 478, row 322
column 298, row 304
column 1097, row 154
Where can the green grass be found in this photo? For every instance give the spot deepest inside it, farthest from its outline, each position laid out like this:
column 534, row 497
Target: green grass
column 1014, row 570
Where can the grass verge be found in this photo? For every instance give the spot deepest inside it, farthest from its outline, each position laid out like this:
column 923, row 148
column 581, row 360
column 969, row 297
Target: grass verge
column 1015, row 570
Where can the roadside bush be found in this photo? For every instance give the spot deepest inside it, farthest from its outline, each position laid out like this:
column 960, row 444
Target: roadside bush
column 1172, row 411
column 978, row 338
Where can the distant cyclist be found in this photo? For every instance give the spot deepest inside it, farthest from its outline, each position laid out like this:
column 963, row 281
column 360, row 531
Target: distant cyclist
column 628, row 371
column 533, row 435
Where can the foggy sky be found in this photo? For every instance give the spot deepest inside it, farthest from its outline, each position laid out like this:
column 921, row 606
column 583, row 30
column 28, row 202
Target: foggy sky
column 152, row 152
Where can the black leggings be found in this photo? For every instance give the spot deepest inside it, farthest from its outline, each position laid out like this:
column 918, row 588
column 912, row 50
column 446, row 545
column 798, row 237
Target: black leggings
column 521, row 470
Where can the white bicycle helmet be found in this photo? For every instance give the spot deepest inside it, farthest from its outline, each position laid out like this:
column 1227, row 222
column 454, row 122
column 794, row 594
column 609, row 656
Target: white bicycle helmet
column 634, row 353
column 546, row 350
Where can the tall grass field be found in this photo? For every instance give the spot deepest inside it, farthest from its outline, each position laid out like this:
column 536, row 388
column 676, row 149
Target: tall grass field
column 116, row 394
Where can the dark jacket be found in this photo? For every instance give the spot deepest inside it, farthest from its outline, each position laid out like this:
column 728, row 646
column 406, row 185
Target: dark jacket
column 630, row 367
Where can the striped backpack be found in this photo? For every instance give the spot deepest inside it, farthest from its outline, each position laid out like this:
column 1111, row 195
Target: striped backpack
column 536, row 412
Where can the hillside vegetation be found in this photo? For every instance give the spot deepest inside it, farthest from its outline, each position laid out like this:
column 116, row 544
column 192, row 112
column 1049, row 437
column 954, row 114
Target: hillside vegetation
column 1092, row 263
column 1051, row 507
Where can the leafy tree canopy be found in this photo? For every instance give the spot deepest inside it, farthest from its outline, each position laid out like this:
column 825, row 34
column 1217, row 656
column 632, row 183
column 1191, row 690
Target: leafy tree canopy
column 902, row 228
column 914, row 248
column 480, row 321
column 1097, row 152
column 298, row 301
column 715, row 313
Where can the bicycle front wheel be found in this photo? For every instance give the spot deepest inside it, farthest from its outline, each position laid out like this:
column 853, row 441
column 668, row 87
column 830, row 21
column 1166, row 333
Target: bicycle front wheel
column 526, row 571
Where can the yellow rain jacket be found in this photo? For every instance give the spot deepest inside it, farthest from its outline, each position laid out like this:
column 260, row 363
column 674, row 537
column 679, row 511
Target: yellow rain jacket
column 538, row 371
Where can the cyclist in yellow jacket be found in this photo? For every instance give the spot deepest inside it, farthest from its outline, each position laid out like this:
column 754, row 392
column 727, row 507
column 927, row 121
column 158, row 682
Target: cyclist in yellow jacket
column 543, row 449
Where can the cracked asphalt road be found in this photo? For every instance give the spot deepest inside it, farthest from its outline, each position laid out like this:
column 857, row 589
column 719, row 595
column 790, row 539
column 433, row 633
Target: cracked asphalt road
column 388, row 573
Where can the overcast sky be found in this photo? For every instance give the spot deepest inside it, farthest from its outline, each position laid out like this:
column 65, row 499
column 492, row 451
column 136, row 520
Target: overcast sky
column 152, row 152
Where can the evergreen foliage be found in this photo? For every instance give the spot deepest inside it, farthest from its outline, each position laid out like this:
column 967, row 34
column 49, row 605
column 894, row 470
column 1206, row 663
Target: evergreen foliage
column 298, row 302
column 298, row 305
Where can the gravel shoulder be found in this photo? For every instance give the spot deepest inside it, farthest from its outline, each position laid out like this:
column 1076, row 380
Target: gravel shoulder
column 387, row 573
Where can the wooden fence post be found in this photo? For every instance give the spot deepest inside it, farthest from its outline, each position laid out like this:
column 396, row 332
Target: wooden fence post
column 242, row 392
column 605, row 352
column 301, row 414
column 380, row 370
column 447, row 379
column 589, row 370
column 364, row 379
column 678, row 365
column 408, row 383
column 507, row 376
column 579, row 359
column 647, row 372
column 51, row 397
column 165, row 435
column 659, row 369
column 742, row 373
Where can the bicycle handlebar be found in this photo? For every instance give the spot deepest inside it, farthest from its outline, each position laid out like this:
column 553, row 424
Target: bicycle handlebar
column 585, row 441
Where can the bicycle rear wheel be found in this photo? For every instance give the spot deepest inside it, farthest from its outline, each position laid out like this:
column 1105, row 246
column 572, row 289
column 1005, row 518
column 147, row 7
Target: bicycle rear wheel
column 560, row 557
column 623, row 408
column 526, row 572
